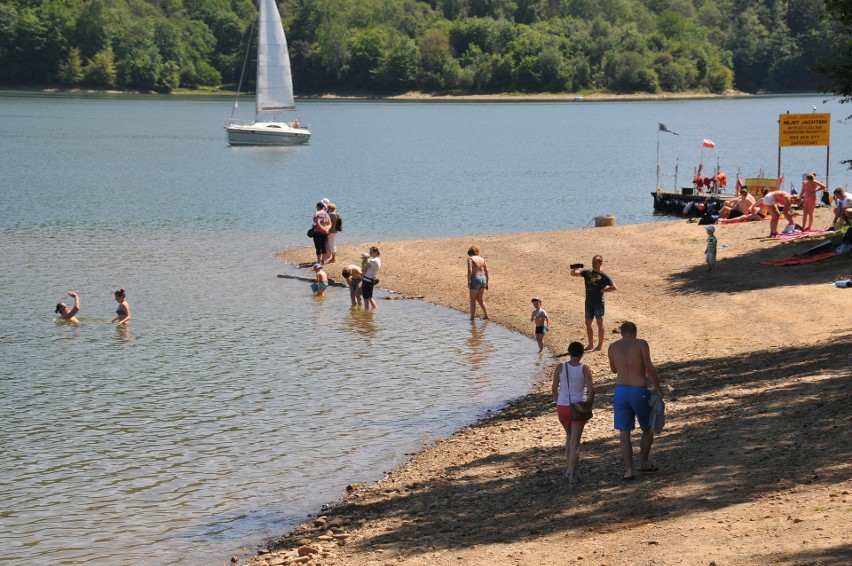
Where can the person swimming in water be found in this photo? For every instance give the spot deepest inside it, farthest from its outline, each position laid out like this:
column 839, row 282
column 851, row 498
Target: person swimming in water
column 122, row 313
column 67, row 313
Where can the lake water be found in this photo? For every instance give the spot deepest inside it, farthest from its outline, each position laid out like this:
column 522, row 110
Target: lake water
column 235, row 403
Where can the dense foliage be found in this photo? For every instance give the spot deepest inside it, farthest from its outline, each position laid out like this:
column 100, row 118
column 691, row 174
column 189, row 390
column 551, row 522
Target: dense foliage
column 389, row 46
column 839, row 70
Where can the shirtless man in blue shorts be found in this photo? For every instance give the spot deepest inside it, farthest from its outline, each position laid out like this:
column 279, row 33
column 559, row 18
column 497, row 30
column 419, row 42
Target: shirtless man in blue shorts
column 630, row 361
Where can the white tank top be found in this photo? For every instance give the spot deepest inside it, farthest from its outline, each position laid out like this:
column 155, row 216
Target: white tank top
column 572, row 385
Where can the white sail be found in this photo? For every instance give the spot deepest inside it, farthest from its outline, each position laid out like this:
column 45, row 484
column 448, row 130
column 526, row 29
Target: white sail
column 274, row 82
column 274, row 89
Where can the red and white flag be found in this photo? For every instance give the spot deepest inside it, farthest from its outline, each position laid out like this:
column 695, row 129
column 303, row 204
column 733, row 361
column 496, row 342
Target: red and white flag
column 708, row 143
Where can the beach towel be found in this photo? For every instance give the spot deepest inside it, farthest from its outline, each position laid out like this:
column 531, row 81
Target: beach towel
column 791, row 235
column 658, row 413
column 798, row 260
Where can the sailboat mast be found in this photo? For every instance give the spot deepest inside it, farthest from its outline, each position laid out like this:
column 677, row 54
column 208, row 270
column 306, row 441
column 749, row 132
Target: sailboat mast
column 243, row 72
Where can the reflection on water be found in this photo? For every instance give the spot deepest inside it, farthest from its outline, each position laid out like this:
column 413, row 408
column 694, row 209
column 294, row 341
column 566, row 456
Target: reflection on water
column 226, row 410
column 362, row 322
column 479, row 350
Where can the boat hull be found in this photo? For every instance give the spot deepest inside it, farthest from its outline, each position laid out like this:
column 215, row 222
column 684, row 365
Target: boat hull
column 267, row 133
column 686, row 204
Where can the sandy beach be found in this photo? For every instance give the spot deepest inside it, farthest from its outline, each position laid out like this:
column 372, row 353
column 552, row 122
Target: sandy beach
column 756, row 457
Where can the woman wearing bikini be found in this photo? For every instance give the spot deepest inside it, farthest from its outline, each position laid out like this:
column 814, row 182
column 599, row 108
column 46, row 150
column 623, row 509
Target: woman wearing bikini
column 810, row 186
column 122, row 313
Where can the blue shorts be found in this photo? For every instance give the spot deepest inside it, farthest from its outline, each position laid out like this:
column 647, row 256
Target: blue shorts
column 540, row 329
column 631, row 401
column 595, row 311
column 477, row 282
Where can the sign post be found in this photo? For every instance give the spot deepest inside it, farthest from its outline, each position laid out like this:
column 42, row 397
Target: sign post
column 798, row 130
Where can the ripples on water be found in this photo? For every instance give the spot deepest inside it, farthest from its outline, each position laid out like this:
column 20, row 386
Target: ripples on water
column 232, row 405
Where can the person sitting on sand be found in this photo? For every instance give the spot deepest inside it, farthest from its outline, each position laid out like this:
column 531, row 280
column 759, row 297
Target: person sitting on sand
column 572, row 383
column 320, row 283
column 352, row 274
column 741, row 206
column 758, row 214
column 771, row 201
column 843, row 210
column 597, row 283
column 68, row 313
column 630, row 361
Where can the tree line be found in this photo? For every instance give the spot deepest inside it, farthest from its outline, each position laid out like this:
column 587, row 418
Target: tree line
column 380, row 47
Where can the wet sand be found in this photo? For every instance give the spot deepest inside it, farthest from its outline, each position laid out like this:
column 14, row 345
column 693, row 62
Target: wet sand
column 756, row 457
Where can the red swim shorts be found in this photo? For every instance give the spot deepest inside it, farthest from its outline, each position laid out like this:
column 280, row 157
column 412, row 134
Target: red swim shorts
column 564, row 412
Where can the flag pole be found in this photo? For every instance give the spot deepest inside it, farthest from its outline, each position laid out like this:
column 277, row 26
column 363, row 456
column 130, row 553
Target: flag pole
column 677, row 164
column 658, row 160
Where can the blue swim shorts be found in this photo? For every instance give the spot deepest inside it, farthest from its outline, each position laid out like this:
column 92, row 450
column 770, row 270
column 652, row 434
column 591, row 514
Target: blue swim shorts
column 540, row 329
column 628, row 402
column 594, row 311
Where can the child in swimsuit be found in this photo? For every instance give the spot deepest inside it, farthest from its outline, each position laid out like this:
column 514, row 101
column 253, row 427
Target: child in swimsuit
column 539, row 317
column 321, row 282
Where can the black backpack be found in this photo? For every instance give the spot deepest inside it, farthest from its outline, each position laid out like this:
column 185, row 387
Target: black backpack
column 339, row 226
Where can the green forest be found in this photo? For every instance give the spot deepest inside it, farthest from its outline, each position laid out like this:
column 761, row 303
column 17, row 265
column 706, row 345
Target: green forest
column 382, row 47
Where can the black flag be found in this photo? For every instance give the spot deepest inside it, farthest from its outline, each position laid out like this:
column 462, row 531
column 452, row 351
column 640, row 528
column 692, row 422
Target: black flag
column 664, row 128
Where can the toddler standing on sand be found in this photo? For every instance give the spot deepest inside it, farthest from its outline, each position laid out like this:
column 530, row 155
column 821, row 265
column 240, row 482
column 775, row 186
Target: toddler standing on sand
column 539, row 317
column 710, row 250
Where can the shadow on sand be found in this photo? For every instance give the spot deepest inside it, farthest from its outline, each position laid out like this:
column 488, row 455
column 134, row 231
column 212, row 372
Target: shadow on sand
column 739, row 430
column 729, row 275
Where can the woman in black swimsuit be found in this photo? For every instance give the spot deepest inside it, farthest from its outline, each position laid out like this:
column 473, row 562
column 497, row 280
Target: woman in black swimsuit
column 122, row 313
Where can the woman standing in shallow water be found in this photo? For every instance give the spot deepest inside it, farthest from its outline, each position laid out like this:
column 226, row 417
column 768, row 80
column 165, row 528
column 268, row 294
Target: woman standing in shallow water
column 477, row 281
column 122, row 313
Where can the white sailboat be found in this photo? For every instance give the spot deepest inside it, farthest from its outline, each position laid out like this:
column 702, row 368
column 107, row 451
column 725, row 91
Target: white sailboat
column 274, row 89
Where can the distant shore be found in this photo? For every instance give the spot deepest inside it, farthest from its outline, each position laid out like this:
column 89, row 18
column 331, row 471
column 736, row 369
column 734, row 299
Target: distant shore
column 412, row 96
column 750, row 472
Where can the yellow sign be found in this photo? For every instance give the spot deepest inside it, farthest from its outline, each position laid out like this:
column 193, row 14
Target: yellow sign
column 804, row 129
column 756, row 186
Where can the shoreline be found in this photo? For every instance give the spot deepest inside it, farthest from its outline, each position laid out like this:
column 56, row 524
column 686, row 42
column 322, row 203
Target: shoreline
column 421, row 511
column 414, row 96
